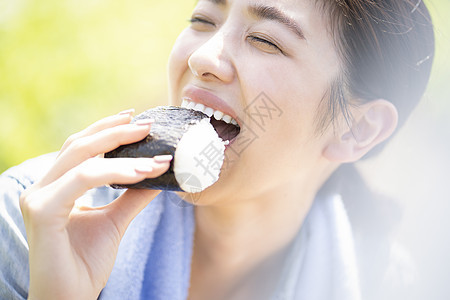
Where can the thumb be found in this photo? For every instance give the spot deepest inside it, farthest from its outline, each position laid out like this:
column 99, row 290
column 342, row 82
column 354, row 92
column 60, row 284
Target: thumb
column 125, row 208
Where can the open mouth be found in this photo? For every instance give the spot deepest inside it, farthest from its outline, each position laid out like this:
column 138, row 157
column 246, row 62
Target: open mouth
column 226, row 131
column 226, row 127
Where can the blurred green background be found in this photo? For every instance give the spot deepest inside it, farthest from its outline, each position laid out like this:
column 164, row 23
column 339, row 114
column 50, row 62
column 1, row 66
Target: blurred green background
column 65, row 64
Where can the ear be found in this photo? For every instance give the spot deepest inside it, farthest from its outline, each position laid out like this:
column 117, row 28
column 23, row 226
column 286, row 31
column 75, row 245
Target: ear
column 372, row 123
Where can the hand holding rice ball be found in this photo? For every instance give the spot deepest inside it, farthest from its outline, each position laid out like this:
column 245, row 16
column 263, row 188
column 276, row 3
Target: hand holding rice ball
column 189, row 137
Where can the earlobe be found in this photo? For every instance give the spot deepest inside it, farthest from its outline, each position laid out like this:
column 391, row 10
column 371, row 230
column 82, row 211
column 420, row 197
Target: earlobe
column 373, row 122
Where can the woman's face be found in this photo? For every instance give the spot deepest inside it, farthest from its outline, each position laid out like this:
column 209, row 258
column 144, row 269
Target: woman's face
column 267, row 64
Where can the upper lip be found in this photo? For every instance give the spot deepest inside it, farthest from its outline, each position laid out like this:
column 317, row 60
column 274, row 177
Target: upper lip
column 205, row 97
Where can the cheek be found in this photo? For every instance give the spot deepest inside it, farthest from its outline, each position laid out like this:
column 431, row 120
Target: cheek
column 286, row 142
column 291, row 84
column 178, row 64
column 295, row 95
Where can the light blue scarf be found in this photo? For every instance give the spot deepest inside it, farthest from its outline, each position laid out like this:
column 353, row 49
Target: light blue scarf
column 154, row 257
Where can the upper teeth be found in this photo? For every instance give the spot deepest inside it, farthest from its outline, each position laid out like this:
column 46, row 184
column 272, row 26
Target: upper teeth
column 218, row 115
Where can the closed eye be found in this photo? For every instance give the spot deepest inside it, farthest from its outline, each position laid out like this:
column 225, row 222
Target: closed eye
column 201, row 22
column 264, row 44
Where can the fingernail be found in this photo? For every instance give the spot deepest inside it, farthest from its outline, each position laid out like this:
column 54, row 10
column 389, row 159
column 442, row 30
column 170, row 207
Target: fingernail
column 143, row 169
column 142, row 122
column 163, row 158
column 127, row 112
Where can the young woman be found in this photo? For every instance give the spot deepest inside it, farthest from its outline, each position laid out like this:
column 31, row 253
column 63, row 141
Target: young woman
column 312, row 84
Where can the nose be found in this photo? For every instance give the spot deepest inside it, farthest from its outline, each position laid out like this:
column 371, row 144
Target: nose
column 211, row 62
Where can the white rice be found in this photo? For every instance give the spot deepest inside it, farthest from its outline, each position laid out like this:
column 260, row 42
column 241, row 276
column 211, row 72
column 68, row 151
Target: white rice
column 199, row 157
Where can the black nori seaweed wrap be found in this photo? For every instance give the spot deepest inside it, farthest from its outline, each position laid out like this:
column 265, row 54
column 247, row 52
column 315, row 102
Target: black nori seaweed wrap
column 170, row 124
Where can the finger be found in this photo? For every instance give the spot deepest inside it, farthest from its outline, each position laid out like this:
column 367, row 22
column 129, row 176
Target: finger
column 124, row 117
column 53, row 203
column 126, row 207
column 95, row 144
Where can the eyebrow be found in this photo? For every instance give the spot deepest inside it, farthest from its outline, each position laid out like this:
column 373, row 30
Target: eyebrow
column 270, row 13
column 273, row 13
column 219, row 2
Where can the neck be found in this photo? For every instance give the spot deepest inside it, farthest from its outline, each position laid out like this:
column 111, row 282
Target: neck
column 250, row 231
column 240, row 244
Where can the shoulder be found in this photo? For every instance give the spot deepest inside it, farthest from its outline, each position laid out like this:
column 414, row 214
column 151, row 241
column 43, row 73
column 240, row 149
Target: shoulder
column 30, row 170
column 14, row 278
column 386, row 269
column 12, row 183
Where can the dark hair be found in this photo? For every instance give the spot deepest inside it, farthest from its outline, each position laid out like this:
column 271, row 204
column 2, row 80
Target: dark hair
column 386, row 48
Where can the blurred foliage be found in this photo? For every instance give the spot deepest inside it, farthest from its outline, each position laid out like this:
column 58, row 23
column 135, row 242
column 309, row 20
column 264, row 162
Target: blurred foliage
column 66, row 63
